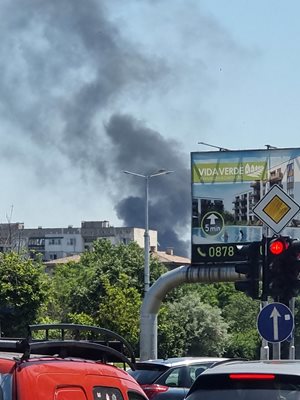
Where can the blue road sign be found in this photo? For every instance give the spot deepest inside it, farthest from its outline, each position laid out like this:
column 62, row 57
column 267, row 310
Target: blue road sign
column 275, row 322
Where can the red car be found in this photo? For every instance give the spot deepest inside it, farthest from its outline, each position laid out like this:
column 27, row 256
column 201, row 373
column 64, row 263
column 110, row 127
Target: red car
column 68, row 368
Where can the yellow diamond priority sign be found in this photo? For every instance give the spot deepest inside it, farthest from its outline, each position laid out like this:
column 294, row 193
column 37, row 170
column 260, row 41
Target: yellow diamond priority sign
column 276, row 209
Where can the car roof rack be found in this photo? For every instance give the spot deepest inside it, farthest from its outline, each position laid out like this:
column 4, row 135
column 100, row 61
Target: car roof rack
column 72, row 340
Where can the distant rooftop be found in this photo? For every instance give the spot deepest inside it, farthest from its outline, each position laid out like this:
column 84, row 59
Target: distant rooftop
column 162, row 256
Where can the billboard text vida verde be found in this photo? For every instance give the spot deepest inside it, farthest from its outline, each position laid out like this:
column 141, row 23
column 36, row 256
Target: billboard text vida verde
column 229, row 172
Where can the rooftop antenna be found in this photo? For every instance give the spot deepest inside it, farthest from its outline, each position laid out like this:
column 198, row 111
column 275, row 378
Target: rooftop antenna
column 216, row 147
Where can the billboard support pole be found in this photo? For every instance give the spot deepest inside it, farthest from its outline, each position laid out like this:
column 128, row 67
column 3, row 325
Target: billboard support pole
column 264, row 350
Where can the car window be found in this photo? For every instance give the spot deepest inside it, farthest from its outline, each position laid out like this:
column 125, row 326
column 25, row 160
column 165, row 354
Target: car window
column 196, row 370
column 175, row 377
column 6, row 386
column 107, row 393
column 172, row 379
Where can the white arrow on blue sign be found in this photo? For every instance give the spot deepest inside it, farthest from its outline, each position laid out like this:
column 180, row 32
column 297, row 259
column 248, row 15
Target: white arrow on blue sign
column 275, row 322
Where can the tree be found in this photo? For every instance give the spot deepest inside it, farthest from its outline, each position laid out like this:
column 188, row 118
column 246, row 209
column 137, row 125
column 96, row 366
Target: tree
column 241, row 313
column 109, row 261
column 119, row 309
column 69, row 280
column 23, row 289
column 191, row 327
column 104, row 288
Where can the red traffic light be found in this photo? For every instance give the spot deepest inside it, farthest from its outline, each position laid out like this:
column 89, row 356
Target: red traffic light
column 278, row 246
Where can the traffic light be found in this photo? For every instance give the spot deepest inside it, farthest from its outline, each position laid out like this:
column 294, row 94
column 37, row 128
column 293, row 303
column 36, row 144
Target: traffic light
column 283, row 267
column 250, row 268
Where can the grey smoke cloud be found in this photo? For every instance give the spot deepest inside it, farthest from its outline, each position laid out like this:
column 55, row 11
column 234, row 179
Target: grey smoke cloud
column 65, row 65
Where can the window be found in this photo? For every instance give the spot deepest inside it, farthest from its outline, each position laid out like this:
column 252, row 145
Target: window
column 6, row 386
column 175, row 377
column 107, row 393
column 36, row 242
column 54, row 241
column 71, row 242
column 195, row 370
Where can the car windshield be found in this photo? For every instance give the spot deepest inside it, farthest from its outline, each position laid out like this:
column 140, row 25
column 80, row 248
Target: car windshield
column 144, row 376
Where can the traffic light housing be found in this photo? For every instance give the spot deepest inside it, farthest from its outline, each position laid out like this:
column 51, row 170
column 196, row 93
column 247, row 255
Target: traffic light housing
column 250, row 268
column 283, row 268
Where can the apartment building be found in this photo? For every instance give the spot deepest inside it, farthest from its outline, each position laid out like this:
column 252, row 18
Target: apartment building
column 284, row 175
column 56, row 243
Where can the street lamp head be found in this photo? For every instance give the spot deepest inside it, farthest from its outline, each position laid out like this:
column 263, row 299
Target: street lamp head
column 160, row 172
column 157, row 173
column 134, row 174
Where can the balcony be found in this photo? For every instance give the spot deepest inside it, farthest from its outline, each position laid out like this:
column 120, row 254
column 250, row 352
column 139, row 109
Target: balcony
column 275, row 177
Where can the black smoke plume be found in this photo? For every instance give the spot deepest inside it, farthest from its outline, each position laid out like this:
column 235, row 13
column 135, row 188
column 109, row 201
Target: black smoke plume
column 65, row 68
column 142, row 150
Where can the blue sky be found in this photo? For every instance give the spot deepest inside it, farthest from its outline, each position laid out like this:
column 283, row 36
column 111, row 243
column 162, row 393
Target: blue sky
column 237, row 65
column 222, row 72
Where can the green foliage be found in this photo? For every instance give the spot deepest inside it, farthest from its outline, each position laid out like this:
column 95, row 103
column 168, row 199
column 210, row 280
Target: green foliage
column 224, row 293
column 64, row 282
column 106, row 288
column 243, row 344
column 81, row 319
column 190, row 327
column 207, row 292
column 103, row 289
column 82, row 290
column 120, row 309
column 238, row 311
column 241, row 313
column 23, row 289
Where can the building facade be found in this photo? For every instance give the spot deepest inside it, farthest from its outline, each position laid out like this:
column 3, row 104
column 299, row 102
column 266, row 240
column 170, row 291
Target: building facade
column 284, row 175
column 56, row 243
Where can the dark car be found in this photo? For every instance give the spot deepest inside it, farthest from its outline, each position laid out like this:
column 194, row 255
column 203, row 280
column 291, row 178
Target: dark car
column 171, row 378
column 249, row 380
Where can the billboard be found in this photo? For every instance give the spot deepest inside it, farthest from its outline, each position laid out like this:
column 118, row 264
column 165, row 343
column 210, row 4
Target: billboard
column 226, row 186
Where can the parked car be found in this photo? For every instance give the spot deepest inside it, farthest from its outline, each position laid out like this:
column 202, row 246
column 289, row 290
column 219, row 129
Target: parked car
column 249, row 380
column 71, row 367
column 171, row 378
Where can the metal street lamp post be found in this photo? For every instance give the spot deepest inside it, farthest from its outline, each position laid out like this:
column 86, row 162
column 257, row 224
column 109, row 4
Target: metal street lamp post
column 146, row 234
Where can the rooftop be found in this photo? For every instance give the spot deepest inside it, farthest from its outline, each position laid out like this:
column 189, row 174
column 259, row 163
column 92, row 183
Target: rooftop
column 163, row 257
